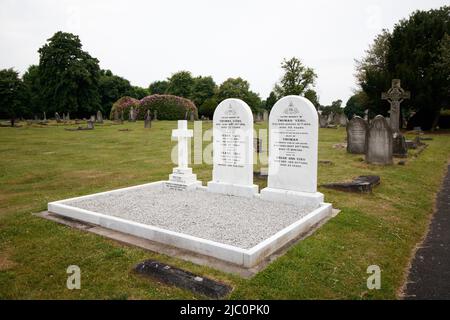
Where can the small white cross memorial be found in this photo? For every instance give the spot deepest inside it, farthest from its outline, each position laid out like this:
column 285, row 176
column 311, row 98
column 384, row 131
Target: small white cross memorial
column 182, row 177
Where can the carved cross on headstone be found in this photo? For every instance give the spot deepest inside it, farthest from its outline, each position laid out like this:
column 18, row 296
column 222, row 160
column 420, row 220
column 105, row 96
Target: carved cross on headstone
column 182, row 134
column 395, row 96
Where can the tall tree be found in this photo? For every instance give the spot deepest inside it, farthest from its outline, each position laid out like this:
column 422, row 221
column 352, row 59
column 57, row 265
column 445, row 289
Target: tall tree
column 296, row 79
column 312, row 96
column 11, row 95
column 31, row 81
column 158, row 87
column 69, row 76
column 111, row 88
column 413, row 53
column 203, row 89
column 240, row 89
column 181, row 84
column 356, row 105
column 271, row 100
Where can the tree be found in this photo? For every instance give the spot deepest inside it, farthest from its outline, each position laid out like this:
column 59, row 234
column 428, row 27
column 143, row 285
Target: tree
column 31, row 81
column 158, row 87
column 111, row 88
column 296, row 79
column 203, row 89
column 12, row 93
column 180, row 84
column 208, row 107
column 335, row 107
column 240, row 89
column 69, row 76
column 271, row 100
column 356, row 105
column 312, row 96
column 138, row 92
column 414, row 53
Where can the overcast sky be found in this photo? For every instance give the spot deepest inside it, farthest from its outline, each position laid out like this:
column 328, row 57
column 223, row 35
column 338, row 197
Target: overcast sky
column 145, row 41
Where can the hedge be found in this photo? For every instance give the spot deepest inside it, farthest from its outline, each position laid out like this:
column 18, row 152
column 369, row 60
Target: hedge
column 124, row 104
column 169, row 107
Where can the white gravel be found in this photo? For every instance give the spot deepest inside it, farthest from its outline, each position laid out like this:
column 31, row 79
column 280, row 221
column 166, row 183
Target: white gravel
column 237, row 221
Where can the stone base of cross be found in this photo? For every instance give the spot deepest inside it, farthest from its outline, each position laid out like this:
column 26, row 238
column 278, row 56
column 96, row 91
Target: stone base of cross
column 182, row 177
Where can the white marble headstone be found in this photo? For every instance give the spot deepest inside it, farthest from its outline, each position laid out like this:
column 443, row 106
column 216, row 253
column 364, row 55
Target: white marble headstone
column 233, row 149
column 293, row 152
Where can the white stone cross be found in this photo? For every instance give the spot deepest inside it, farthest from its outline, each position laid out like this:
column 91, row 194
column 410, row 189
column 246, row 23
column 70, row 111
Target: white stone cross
column 182, row 134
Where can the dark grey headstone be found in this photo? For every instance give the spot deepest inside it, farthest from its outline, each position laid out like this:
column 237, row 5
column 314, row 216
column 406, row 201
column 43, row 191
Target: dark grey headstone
column 360, row 184
column 183, row 279
column 357, row 135
column 399, row 146
column 379, row 142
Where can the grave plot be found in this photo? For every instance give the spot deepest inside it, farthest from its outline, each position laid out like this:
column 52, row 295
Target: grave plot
column 228, row 220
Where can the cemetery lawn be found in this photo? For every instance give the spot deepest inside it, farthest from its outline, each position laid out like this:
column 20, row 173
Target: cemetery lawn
column 43, row 164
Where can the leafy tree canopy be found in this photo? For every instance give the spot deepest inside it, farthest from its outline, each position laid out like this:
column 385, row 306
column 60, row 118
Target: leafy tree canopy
column 69, row 76
column 296, row 79
column 240, row 89
column 12, row 93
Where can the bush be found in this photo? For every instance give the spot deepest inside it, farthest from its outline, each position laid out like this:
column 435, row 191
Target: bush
column 124, row 104
column 169, row 107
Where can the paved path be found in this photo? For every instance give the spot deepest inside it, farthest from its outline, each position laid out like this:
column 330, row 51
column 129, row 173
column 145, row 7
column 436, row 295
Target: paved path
column 429, row 276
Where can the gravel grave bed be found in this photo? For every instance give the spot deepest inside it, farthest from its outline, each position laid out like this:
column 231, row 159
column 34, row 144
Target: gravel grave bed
column 236, row 221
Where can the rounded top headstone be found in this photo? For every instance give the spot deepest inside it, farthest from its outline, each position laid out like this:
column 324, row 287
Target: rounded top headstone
column 293, row 141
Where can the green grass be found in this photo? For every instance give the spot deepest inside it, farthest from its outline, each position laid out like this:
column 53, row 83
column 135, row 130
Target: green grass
column 38, row 165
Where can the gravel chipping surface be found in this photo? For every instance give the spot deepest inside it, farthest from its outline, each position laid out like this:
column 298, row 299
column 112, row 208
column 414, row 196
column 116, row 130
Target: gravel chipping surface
column 237, row 221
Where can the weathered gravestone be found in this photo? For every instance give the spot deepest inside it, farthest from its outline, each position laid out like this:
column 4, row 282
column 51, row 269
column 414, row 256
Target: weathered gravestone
column 323, row 121
column 155, row 115
column 57, row 117
column 233, row 149
column 68, row 116
column 192, row 116
column 343, row 120
column 357, row 135
column 330, row 118
column 132, row 114
column 99, row 117
column 395, row 97
column 293, row 149
column 90, row 124
column 265, row 116
column 379, row 142
column 148, row 120
column 182, row 177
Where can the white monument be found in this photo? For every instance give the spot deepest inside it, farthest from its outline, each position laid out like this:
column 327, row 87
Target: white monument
column 233, row 149
column 293, row 148
column 182, row 177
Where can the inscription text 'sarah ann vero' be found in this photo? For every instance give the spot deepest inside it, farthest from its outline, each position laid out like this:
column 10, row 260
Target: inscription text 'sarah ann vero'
column 293, row 148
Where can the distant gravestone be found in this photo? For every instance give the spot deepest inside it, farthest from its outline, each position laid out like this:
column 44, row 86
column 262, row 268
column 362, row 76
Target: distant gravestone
column 132, row 114
column 293, row 153
column 343, row 120
column 116, row 116
column 323, row 121
column 148, row 120
column 233, row 149
column 366, row 114
column 395, row 97
column 121, row 117
column 357, row 129
column 330, row 118
column 92, row 118
column 379, row 142
column 155, row 115
column 99, row 117
column 265, row 116
column 45, row 117
column 68, row 116
column 57, row 117
column 192, row 116
column 90, row 124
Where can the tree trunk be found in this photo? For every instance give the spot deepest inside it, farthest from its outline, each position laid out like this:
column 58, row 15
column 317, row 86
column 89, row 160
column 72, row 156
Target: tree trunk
column 436, row 120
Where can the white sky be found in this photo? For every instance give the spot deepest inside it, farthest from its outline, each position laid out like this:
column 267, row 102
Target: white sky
column 145, row 41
